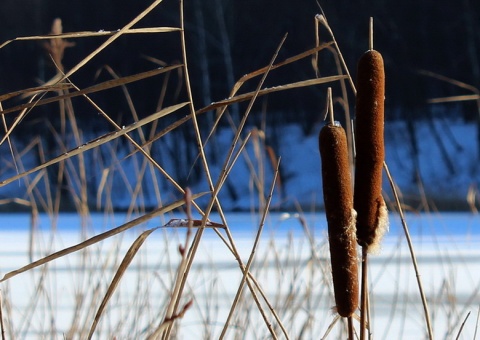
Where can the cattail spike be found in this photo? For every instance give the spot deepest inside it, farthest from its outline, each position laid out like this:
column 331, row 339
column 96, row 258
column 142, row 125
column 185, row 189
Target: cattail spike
column 338, row 198
column 372, row 220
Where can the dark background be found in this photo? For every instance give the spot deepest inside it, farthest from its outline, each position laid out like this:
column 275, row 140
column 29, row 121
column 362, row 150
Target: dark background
column 227, row 39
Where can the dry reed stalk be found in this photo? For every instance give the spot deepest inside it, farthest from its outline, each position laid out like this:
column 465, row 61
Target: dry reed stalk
column 88, row 34
column 99, row 141
column 98, row 238
column 372, row 219
column 92, row 89
column 322, row 19
column 338, row 196
column 412, row 254
column 246, row 270
column 216, row 188
column 2, row 325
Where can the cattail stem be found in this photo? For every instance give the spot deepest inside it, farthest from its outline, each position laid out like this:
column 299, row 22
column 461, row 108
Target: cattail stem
column 364, row 294
column 370, row 34
column 351, row 332
column 330, row 105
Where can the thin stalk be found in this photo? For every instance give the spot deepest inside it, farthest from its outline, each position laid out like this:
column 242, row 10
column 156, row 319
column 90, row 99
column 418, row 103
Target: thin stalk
column 412, row 253
column 2, row 326
column 364, row 293
column 351, row 332
column 461, row 327
column 323, row 19
column 250, row 260
column 216, row 189
column 476, row 325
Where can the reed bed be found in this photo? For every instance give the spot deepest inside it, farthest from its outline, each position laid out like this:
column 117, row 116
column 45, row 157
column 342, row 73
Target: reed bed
column 153, row 273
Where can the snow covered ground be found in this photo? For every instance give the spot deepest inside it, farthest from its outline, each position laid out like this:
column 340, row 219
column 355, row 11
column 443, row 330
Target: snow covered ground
column 292, row 269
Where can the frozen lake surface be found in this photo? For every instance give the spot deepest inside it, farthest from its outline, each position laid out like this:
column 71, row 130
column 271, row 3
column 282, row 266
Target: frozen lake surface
column 291, row 266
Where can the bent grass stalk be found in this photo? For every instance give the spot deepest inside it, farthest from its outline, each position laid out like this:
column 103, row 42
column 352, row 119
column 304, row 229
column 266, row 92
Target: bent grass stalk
column 216, row 189
column 412, row 254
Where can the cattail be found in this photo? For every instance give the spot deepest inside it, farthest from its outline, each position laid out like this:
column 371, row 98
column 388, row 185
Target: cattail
column 372, row 219
column 338, row 198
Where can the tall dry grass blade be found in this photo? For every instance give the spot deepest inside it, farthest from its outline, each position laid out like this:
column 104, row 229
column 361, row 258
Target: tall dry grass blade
column 17, row 121
column 97, row 142
column 88, row 34
column 236, row 139
column 177, row 290
column 344, row 103
column 412, row 253
column 98, row 238
column 237, row 99
column 31, row 90
column 251, row 279
column 169, row 322
column 248, row 96
column 214, row 201
column 2, row 325
column 145, row 153
column 16, row 200
column 220, row 183
column 92, row 89
column 449, row 80
column 187, row 261
column 321, row 18
column 331, row 326
column 476, row 324
column 246, row 270
column 461, row 98
column 114, row 37
column 259, row 72
column 317, row 43
column 132, row 251
column 191, row 104
column 5, row 126
column 287, row 61
column 461, row 327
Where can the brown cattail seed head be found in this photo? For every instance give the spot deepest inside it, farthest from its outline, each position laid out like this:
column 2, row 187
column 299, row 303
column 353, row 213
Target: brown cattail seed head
column 338, row 198
column 370, row 151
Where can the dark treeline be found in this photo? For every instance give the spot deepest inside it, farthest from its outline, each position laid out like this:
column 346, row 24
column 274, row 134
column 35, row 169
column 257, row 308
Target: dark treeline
column 227, row 39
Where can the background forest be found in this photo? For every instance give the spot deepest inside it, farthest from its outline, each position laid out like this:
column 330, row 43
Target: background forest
column 228, row 39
